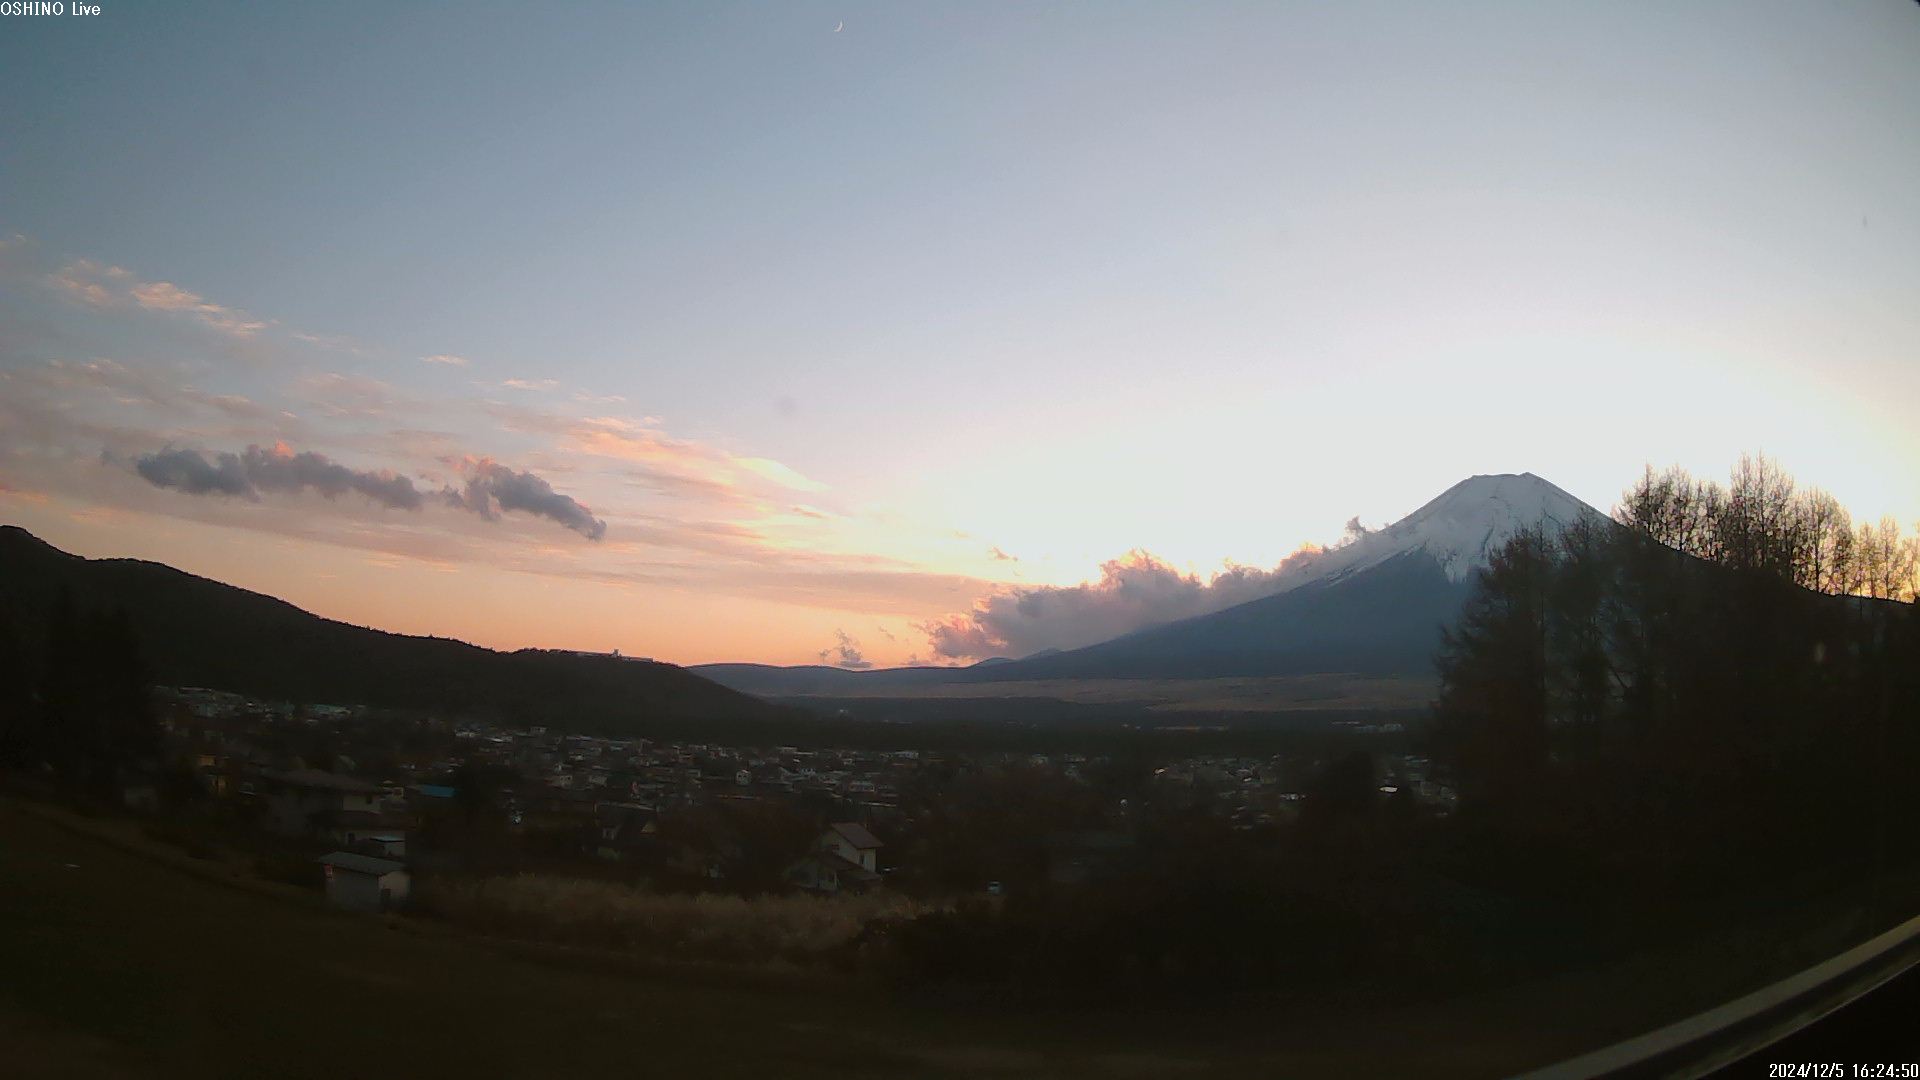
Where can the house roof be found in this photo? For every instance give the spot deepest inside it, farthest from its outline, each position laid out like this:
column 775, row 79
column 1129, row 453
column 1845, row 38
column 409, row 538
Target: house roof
column 361, row 864
column 856, row 834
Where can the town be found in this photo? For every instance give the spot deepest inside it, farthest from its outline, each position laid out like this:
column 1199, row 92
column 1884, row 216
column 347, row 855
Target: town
column 420, row 793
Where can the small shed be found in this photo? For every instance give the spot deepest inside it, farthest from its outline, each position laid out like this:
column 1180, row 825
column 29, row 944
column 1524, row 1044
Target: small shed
column 364, row 883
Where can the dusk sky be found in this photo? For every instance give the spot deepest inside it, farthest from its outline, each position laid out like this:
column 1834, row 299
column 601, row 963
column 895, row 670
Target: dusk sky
column 714, row 332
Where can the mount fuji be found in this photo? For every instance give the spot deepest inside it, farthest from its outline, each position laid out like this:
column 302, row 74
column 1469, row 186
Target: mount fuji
column 1372, row 606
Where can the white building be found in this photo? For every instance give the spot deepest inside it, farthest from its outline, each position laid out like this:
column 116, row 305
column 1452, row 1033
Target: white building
column 364, row 883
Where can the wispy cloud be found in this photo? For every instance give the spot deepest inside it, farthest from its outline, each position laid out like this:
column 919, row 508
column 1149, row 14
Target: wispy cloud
column 351, row 396
column 769, row 469
column 99, row 285
column 139, row 385
column 335, row 342
column 641, row 442
column 331, row 453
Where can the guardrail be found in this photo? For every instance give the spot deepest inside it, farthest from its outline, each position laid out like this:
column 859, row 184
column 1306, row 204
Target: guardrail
column 1722, row 1035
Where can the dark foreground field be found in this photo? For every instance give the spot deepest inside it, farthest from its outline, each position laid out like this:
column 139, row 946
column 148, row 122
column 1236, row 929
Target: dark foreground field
column 115, row 963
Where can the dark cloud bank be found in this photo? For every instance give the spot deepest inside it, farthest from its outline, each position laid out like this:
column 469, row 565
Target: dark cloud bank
column 491, row 488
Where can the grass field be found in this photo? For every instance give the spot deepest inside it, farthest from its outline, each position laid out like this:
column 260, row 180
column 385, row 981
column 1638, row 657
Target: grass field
column 115, row 963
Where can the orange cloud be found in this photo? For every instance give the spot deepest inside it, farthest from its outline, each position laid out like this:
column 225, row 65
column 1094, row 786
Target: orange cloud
column 101, row 286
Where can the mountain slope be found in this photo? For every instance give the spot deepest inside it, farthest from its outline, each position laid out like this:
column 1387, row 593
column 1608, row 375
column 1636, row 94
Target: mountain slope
column 1379, row 620
column 196, row 632
column 1374, row 606
column 1461, row 526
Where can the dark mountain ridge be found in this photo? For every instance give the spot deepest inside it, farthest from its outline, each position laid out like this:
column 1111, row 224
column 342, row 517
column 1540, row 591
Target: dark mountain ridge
column 198, row 632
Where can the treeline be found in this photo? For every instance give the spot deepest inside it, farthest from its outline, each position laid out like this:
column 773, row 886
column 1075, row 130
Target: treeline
column 1764, row 521
column 1676, row 700
column 1657, row 727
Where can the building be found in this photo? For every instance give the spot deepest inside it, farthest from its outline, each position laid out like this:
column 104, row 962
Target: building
column 846, row 858
column 307, row 801
column 852, row 842
column 364, row 883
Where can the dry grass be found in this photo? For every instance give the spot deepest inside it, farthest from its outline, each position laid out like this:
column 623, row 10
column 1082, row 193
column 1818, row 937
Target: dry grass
column 572, row 911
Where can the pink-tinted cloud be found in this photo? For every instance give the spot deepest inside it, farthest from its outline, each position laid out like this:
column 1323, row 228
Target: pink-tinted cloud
column 351, row 396
column 1134, row 591
column 99, row 285
column 643, row 443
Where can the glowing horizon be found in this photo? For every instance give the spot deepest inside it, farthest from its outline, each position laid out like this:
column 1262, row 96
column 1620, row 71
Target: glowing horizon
column 715, row 335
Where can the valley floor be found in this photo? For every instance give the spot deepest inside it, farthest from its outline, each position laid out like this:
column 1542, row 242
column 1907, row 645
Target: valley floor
column 115, row 963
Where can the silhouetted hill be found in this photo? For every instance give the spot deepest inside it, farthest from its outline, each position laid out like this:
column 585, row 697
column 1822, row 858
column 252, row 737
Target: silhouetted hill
column 196, row 632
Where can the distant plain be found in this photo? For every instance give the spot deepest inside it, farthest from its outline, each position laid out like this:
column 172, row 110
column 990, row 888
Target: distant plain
column 1261, row 694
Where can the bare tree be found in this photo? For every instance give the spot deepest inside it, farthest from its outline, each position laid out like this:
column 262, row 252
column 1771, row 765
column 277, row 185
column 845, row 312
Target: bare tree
column 1674, row 509
column 1825, row 534
column 1886, row 561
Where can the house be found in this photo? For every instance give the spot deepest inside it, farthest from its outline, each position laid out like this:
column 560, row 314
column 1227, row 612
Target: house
column 356, row 830
column 824, row 872
column 364, row 883
column 626, row 830
column 852, row 842
column 310, row 800
column 845, row 859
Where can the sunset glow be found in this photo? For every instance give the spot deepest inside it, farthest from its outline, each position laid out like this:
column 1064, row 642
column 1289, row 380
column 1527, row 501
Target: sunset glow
column 898, row 350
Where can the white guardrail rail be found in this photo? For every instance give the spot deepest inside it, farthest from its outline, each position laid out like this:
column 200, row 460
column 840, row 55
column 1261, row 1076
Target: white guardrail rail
column 1722, row 1035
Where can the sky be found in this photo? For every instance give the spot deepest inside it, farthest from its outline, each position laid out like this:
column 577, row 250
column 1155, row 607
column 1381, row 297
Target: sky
column 846, row 332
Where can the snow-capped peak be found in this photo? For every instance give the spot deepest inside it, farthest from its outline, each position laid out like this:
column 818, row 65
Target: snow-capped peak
column 1462, row 526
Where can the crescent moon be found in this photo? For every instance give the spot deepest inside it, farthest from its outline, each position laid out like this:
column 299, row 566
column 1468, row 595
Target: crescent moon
column 840, row 26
